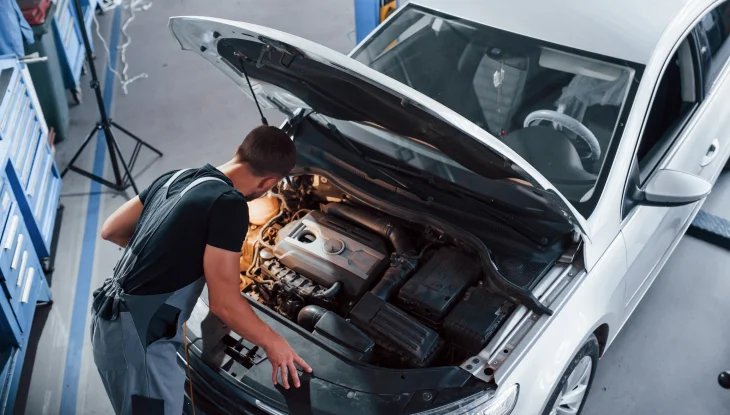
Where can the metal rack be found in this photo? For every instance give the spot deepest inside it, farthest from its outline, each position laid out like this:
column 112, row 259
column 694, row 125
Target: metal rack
column 70, row 45
column 29, row 193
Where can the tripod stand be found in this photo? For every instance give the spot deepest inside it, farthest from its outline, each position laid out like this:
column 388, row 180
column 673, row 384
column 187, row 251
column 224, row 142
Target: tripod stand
column 105, row 124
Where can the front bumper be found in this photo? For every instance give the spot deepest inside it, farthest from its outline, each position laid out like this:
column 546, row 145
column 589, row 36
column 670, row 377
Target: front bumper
column 213, row 396
column 220, row 376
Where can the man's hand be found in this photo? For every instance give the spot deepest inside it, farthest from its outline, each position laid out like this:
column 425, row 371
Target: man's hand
column 282, row 358
column 222, row 273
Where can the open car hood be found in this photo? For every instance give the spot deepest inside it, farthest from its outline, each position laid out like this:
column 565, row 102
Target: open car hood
column 288, row 73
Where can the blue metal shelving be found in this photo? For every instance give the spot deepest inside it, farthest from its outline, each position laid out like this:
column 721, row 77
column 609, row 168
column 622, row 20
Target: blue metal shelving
column 29, row 192
column 69, row 41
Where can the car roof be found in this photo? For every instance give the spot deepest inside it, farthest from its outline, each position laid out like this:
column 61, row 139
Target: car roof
column 623, row 29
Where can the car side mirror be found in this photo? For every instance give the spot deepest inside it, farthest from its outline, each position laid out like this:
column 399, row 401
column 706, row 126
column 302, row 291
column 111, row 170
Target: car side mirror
column 674, row 188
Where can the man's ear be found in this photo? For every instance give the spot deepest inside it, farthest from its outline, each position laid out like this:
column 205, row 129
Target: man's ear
column 269, row 182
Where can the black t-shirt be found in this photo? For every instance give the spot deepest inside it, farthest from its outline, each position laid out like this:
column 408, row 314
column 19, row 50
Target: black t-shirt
column 212, row 213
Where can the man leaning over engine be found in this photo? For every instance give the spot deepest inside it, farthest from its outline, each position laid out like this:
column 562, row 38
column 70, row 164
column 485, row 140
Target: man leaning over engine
column 185, row 230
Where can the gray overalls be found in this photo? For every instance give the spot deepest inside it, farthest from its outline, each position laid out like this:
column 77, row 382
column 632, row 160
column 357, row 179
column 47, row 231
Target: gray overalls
column 142, row 377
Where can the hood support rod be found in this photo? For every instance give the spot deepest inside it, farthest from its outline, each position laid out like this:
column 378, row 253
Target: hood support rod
column 253, row 94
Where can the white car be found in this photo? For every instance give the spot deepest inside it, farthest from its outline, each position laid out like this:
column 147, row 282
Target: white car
column 485, row 191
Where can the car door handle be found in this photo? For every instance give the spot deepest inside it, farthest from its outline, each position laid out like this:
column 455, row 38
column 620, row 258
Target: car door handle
column 711, row 153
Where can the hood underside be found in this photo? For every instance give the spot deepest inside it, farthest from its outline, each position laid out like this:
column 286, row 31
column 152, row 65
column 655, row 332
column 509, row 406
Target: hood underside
column 288, row 73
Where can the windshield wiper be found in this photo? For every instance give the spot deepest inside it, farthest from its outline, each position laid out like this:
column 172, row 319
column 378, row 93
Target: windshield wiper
column 301, row 115
column 296, row 119
column 484, row 205
column 347, row 142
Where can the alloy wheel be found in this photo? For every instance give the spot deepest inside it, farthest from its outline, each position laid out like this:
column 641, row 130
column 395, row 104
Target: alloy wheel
column 571, row 396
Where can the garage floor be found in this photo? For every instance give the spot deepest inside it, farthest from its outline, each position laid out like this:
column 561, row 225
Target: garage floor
column 665, row 361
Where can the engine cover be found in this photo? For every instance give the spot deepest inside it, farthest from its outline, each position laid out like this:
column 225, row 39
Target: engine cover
column 327, row 250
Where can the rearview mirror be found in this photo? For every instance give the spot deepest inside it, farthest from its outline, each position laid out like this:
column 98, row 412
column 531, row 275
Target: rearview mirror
column 674, row 188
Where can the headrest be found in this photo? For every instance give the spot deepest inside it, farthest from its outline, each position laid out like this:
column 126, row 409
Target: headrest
column 476, row 51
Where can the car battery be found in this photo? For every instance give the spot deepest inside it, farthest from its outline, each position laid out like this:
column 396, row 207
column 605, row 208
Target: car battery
column 475, row 319
column 439, row 284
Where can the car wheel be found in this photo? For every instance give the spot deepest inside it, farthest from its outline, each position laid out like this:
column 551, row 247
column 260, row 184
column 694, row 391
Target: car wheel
column 571, row 392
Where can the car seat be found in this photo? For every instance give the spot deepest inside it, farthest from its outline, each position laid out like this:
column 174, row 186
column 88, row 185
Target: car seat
column 491, row 85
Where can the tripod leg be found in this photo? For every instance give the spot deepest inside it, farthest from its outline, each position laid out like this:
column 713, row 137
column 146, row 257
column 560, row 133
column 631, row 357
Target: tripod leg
column 105, row 124
column 133, row 159
column 96, row 128
column 124, row 164
column 144, row 143
column 111, row 143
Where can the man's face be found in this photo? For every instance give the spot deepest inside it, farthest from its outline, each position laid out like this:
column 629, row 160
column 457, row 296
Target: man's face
column 263, row 186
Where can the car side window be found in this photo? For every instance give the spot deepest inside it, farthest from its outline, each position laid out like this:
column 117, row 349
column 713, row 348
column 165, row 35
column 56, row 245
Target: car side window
column 675, row 98
column 713, row 35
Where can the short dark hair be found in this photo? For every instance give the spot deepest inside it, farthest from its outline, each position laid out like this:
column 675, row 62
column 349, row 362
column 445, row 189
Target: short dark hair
column 268, row 151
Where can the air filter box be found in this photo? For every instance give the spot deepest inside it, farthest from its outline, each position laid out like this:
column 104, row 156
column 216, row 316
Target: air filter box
column 397, row 333
column 475, row 319
column 439, row 284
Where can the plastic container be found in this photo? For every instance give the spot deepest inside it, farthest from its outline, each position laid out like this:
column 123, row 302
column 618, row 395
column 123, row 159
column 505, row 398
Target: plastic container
column 34, row 11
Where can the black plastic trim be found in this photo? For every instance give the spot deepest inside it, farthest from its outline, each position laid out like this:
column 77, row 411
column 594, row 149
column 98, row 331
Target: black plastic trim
column 340, row 369
column 221, row 395
column 711, row 229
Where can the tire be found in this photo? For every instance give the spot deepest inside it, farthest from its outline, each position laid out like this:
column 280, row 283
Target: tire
column 589, row 351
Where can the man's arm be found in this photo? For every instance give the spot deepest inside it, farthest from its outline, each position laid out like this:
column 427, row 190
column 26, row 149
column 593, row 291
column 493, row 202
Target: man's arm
column 222, row 275
column 120, row 226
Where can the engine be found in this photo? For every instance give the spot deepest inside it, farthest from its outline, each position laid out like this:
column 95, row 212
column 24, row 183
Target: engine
column 331, row 251
column 369, row 285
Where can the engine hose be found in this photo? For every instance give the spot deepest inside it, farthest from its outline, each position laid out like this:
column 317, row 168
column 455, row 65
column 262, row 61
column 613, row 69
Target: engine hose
column 402, row 263
column 398, row 272
column 331, row 291
column 310, row 315
column 382, row 226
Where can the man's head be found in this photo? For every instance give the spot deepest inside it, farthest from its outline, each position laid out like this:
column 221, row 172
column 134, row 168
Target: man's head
column 266, row 155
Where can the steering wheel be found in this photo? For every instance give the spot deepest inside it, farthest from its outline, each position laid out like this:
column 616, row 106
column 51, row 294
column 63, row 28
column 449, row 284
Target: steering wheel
column 566, row 121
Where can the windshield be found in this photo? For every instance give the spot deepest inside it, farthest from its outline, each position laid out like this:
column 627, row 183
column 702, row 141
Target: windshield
column 559, row 108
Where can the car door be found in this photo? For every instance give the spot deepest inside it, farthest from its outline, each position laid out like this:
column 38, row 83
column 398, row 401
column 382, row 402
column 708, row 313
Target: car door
column 670, row 139
column 713, row 34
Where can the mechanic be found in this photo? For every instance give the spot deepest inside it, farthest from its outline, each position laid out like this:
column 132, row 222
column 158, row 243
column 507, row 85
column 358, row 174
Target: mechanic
column 182, row 232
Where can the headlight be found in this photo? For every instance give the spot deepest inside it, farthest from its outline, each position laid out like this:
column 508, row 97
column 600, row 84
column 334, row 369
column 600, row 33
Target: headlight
column 487, row 403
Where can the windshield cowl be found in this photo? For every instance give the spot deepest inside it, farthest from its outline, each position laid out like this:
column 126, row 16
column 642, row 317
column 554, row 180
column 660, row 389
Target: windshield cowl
column 421, row 159
column 504, row 202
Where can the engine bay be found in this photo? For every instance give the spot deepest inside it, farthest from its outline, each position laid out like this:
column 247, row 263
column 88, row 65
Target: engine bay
column 375, row 288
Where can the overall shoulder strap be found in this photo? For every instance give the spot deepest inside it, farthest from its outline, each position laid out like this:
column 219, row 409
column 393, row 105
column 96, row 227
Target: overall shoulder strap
column 174, row 177
column 199, row 181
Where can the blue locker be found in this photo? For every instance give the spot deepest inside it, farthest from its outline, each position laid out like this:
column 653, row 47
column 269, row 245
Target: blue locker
column 29, row 189
column 31, row 169
column 68, row 38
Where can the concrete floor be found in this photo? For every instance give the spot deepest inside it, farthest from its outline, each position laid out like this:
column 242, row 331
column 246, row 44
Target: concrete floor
column 664, row 362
